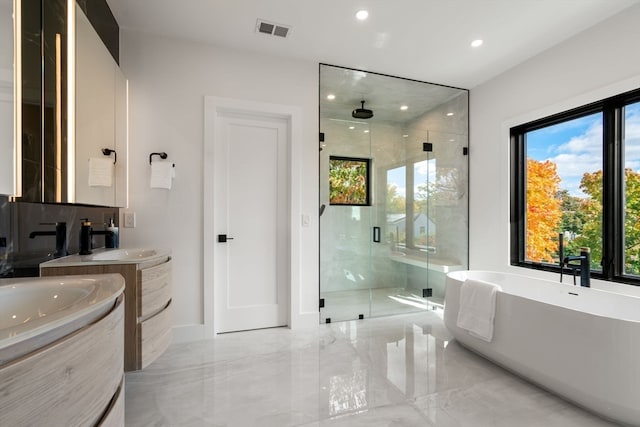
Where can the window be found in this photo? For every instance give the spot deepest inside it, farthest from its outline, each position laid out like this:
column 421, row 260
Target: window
column 577, row 174
column 412, row 189
column 349, row 181
column 631, row 182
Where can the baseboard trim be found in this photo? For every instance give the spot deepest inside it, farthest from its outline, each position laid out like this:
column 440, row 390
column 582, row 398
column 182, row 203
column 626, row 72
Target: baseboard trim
column 188, row 333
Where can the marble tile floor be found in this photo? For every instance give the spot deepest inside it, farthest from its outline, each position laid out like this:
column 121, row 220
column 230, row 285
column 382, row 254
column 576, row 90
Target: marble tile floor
column 394, row 371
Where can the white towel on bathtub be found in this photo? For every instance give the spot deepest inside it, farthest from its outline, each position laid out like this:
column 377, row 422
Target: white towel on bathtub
column 477, row 308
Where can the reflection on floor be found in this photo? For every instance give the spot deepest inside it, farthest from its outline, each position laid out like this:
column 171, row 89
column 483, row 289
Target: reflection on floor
column 394, row 371
column 348, row 305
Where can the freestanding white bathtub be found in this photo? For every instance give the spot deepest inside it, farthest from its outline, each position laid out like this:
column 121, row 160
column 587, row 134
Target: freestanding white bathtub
column 581, row 343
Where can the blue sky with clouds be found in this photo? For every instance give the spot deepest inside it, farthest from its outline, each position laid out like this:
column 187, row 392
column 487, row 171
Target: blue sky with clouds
column 576, row 146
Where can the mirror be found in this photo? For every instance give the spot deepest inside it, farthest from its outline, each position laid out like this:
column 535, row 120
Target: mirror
column 7, row 108
column 73, row 109
column 42, row 103
column 100, row 121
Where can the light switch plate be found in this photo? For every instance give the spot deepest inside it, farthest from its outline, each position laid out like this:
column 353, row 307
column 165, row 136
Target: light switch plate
column 129, row 219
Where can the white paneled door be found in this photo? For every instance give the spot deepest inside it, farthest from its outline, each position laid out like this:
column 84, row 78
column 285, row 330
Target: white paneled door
column 251, row 222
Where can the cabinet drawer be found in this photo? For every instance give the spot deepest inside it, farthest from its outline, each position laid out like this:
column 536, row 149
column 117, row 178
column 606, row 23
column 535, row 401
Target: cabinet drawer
column 154, row 289
column 115, row 413
column 156, row 336
column 69, row 382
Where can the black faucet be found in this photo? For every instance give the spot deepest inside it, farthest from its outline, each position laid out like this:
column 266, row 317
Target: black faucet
column 561, row 254
column 86, row 234
column 584, row 267
column 61, row 237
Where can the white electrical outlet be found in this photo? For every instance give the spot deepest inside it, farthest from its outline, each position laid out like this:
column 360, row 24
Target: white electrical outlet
column 130, row 219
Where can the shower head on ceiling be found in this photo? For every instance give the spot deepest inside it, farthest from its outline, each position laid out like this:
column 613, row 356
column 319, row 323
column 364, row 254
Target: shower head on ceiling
column 362, row 113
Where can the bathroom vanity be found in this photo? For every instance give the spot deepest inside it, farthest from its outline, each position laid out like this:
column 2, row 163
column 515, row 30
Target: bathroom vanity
column 147, row 305
column 61, row 351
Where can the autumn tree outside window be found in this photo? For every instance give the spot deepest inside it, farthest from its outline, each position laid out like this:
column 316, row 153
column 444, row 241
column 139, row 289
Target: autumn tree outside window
column 349, row 181
column 578, row 173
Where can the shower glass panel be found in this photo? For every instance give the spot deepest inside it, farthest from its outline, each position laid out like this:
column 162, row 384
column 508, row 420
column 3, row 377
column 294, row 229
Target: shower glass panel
column 390, row 254
column 346, row 252
column 397, row 151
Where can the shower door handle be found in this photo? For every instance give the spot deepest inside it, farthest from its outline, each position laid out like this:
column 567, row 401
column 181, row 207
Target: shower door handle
column 376, row 234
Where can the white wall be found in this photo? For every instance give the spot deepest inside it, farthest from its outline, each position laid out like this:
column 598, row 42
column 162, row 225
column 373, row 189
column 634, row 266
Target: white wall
column 597, row 63
column 168, row 80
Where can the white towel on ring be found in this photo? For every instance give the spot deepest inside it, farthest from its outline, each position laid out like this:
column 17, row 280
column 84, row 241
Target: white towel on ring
column 477, row 308
column 162, row 174
column 100, row 172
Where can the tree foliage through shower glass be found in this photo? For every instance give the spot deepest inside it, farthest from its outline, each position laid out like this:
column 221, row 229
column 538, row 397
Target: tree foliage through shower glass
column 349, row 181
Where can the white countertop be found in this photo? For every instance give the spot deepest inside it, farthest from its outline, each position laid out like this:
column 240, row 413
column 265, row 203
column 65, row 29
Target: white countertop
column 111, row 256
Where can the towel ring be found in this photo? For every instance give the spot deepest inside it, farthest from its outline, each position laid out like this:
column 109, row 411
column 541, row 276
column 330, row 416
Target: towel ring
column 162, row 155
column 108, row 151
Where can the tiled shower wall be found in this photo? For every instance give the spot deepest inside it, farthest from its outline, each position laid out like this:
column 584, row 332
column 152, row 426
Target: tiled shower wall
column 21, row 255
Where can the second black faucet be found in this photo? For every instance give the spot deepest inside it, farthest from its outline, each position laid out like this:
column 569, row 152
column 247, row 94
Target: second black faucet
column 584, row 266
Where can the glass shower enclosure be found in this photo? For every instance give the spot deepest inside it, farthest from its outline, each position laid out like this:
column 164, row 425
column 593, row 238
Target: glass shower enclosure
column 393, row 193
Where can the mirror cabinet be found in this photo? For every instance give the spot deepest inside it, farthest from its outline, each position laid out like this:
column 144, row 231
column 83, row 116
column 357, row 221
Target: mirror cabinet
column 7, row 105
column 71, row 115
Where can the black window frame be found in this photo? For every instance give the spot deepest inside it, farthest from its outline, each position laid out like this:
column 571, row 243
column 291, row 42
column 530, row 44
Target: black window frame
column 613, row 199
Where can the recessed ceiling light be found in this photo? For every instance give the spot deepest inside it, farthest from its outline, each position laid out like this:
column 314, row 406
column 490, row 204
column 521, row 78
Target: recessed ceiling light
column 477, row 43
column 362, row 15
column 404, row 107
column 352, row 127
column 405, row 136
column 331, row 97
column 449, row 114
column 366, row 131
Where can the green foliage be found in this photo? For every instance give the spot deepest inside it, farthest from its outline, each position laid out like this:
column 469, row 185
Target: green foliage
column 395, row 202
column 572, row 216
column 591, row 216
column 583, row 217
column 348, row 182
column 632, row 222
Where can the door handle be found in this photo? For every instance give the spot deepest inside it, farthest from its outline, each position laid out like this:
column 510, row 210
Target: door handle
column 376, row 234
column 222, row 238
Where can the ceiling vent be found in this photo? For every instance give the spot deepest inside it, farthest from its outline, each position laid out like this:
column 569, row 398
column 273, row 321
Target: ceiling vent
column 272, row 29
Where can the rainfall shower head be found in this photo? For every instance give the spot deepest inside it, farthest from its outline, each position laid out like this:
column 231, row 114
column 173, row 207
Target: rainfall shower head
column 362, row 113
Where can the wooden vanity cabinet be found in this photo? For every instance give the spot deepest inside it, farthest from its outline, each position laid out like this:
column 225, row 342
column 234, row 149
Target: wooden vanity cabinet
column 147, row 320
column 76, row 380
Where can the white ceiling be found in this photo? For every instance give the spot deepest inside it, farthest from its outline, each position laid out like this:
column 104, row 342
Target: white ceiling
column 426, row 40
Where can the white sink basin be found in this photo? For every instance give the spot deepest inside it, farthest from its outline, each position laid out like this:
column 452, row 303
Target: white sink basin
column 124, row 255
column 38, row 310
column 111, row 256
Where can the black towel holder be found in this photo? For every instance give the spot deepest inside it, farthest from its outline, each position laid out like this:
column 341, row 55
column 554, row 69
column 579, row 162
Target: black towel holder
column 162, row 155
column 108, row 151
